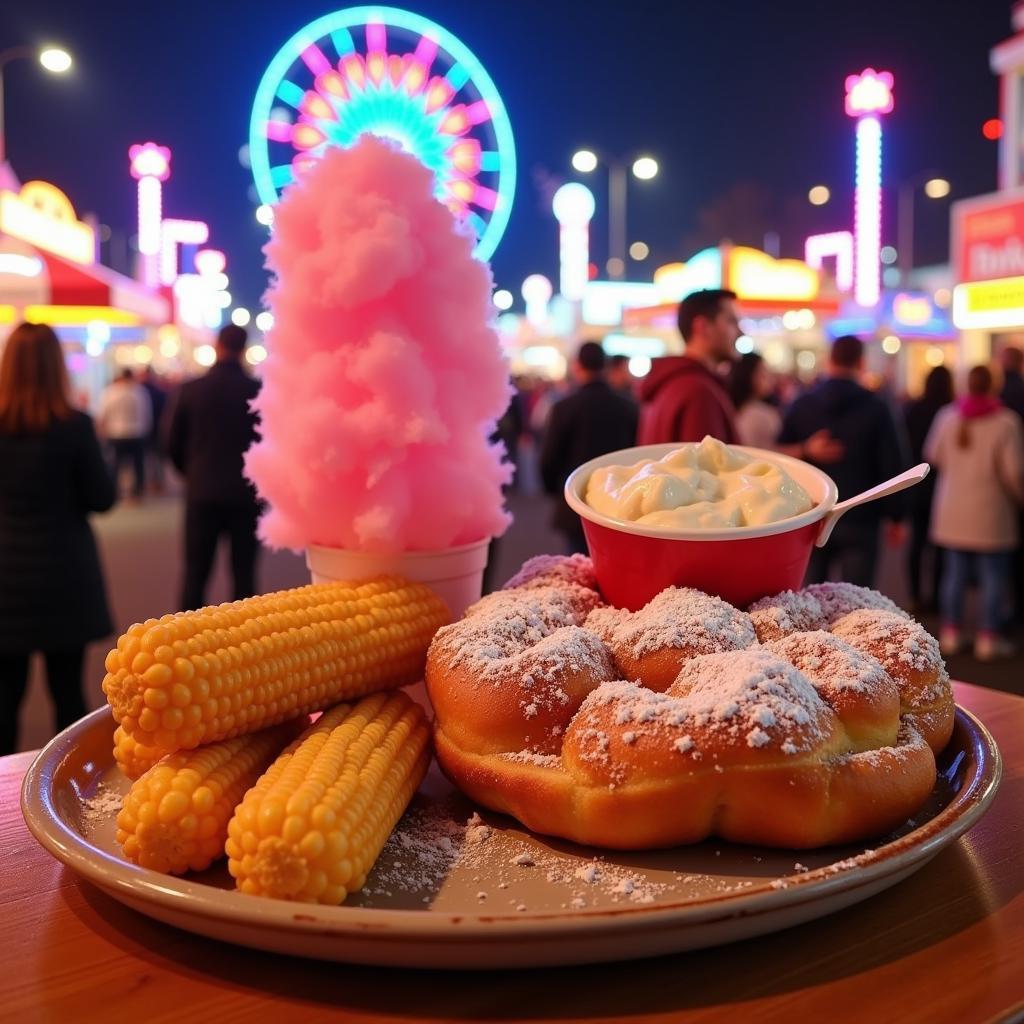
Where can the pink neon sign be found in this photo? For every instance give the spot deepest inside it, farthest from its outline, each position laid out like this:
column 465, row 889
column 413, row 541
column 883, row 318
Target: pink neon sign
column 838, row 244
column 175, row 233
column 150, row 166
column 868, row 95
column 870, row 92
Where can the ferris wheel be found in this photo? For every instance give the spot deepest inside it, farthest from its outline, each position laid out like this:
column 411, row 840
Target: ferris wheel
column 387, row 72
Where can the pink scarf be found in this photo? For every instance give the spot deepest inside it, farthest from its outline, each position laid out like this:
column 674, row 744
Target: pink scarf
column 971, row 407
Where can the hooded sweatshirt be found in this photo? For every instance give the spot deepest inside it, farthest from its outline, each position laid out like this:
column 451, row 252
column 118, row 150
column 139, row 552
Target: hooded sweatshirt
column 682, row 400
column 875, row 448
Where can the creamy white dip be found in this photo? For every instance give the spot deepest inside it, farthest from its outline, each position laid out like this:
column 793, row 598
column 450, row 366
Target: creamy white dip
column 708, row 486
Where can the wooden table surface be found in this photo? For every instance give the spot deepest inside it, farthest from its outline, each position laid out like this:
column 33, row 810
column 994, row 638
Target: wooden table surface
column 945, row 945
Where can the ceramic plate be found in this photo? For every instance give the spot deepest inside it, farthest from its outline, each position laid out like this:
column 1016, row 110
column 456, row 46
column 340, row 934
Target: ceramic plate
column 456, row 890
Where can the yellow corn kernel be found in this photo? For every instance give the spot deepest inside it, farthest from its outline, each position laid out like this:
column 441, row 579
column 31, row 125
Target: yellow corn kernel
column 175, row 817
column 200, row 677
column 133, row 758
column 314, row 824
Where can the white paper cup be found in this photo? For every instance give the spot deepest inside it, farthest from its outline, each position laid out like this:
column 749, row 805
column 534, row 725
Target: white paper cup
column 455, row 574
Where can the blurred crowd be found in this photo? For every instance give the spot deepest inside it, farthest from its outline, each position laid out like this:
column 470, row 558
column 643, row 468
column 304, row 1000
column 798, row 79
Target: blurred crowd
column 57, row 467
column 961, row 526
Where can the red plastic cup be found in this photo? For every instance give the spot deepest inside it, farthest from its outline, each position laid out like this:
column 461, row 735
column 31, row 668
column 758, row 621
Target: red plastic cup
column 633, row 563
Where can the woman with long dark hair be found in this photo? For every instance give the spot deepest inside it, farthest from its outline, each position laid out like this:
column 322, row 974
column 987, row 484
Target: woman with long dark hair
column 52, row 475
column 750, row 384
column 919, row 415
column 977, row 446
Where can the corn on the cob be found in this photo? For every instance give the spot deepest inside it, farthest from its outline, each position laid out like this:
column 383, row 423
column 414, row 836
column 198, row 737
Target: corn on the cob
column 313, row 826
column 205, row 676
column 133, row 758
column 175, row 817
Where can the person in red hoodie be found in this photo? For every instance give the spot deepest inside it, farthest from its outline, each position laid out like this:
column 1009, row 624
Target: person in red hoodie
column 683, row 398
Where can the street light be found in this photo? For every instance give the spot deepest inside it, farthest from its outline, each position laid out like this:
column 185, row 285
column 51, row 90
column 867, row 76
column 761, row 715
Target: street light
column 55, row 60
column 584, row 161
column 644, row 168
column 819, row 195
column 52, row 58
column 934, row 188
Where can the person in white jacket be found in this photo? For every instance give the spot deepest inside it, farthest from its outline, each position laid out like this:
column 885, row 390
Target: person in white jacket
column 977, row 447
column 125, row 418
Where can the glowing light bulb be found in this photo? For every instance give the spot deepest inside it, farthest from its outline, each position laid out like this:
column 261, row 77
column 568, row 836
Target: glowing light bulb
column 205, row 355
column 584, row 161
column 55, row 60
column 645, row 168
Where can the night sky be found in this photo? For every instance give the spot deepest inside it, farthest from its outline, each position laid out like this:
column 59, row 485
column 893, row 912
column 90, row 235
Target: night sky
column 741, row 104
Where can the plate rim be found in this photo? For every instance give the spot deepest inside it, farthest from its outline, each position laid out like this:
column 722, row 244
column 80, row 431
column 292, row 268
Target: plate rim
column 135, row 884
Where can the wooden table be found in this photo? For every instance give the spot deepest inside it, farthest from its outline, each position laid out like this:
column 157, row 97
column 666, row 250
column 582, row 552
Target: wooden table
column 945, row 945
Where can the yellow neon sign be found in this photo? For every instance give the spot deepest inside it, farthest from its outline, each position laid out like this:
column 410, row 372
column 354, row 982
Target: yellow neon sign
column 756, row 275
column 69, row 316
column 989, row 303
column 42, row 215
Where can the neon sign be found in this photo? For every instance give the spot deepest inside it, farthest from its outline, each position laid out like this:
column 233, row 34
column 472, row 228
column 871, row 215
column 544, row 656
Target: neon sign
column 756, row 275
column 387, row 72
column 870, row 92
column 838, row 244
column 150, row 166
column 175, row 233
column 42, row 215
column 573, row 206
column 868, row 95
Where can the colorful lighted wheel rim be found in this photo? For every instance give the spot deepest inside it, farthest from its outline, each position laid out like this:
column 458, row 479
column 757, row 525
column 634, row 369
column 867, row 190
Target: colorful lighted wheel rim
column 391, row 73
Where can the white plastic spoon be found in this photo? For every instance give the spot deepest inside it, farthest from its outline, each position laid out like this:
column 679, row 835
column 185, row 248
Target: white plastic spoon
column 897, row 483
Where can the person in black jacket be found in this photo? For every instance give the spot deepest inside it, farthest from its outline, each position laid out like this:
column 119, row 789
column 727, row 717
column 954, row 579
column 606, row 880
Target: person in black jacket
column 52, row 475
column 874, row 449
column 1012, row 396
column 210, row 424
column 918, row 417
column 592, row 421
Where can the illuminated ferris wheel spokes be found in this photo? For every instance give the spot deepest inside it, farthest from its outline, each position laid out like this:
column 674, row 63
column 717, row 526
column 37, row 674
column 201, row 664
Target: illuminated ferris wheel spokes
column 429, row 93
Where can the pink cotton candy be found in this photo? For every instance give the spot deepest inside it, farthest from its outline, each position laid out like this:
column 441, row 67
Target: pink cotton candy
column 385, row 377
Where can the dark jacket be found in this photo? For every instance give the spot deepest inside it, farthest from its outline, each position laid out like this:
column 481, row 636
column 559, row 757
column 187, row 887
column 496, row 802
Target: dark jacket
column 919, row 416
column 592, row 421
column 51, row 584
column 209, row 426
column 875, row 447
column 1012, row 395
column 682, row 400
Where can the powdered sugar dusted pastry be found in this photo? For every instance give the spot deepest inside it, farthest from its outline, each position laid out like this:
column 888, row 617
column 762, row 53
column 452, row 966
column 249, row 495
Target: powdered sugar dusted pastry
column 653, row 643
column 548, row 570
column 673, row 724
column 910, row 654
column 839, row 599
column 513, row 672
column 855, row 685
column 792, row 611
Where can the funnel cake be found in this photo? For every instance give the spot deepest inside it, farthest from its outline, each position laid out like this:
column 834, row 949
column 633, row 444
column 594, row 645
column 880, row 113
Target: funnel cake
column 825, row 733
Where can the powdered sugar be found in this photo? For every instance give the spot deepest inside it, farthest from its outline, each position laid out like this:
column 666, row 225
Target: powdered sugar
column 104, row 803
column 739, row 698
column 680, row 618
column 830, row 663
column 785, row 613
column 899, row 643
column 839, row 599
column 530, row 636
column 547, row 570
